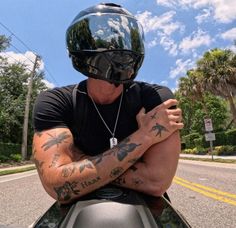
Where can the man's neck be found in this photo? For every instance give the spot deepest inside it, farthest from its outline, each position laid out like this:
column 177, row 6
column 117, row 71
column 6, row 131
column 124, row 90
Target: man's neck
column 103, row 92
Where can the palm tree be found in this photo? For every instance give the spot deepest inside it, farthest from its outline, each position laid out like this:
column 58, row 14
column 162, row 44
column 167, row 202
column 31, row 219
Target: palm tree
column 218, row 68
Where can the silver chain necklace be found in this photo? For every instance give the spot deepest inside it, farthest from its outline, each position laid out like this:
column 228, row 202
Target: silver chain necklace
column 113, row 140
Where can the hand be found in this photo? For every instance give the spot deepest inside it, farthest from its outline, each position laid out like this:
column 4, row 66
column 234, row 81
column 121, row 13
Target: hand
column 161, row 121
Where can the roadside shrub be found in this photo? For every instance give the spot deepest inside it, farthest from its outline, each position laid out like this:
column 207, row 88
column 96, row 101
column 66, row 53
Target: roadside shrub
column 189, row 140
column 231, row 137
column 16, row 157
column 225, row 150
column 221, row 139
column 3, row 158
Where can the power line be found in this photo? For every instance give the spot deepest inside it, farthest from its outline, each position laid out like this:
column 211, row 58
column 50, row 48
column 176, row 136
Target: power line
column 28, row 48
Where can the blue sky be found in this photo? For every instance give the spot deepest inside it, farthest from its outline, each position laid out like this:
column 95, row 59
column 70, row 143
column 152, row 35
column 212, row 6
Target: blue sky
column 177, row 33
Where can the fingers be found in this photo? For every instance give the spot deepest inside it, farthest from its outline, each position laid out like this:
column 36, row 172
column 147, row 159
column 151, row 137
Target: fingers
column 170, row 103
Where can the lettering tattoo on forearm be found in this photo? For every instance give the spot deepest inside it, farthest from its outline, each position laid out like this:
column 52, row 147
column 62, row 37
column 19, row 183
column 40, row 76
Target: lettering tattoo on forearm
column 55, row 140
column 159, row 128
column 66, row 191
column 54, row 160
column 88, row 183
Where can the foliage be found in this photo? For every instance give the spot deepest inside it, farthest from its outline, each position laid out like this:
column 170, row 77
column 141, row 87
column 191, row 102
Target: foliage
column 16, row 157
column 14, row 79
column 224, row 150
column 4, row 42
column 231, row 137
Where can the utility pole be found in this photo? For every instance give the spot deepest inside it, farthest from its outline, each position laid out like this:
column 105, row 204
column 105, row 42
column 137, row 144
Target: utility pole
column 26, row 114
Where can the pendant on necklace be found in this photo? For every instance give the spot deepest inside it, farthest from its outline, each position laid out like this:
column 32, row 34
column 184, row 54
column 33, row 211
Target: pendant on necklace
column 113, row 142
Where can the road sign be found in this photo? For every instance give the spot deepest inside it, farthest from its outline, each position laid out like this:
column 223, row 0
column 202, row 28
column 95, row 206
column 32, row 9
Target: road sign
column 210, row 136
column 208, row 124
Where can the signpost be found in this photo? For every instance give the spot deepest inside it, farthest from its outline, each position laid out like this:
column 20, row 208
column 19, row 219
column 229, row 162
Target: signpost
column 209, row 136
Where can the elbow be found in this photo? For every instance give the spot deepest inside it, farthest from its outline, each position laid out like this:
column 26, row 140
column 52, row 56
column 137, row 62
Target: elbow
column 157, row 189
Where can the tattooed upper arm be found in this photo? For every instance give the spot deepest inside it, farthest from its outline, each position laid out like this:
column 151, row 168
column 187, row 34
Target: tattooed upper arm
column 53, row 148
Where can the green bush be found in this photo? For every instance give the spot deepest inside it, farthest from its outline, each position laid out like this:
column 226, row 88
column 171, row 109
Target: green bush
column 225, row 150
column 3, row 158
column 221, row 139
column 189, row 140
column 16, row 157
column 231, row 137
column 10, row 151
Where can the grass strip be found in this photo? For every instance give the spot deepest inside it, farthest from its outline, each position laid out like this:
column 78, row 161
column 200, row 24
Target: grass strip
column 232, row 161
column 16, row 170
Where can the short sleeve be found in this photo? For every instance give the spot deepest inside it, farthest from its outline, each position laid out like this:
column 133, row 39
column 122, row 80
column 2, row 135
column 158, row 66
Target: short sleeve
column 53, row 108
column 153, row 95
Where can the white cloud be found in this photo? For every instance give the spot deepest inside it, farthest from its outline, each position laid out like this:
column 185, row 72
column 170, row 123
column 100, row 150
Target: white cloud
column 230, row 34
column 28, row 59
column 194, row 41
column 181, row 67
column 48, row 84
column 169, row 45
column 223, row 10
column 165, row 83
column 206, row 13
column 152, row 43
column 162, row 23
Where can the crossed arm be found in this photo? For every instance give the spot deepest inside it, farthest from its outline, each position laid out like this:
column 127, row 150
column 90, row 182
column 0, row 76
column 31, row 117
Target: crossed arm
column 67, row 174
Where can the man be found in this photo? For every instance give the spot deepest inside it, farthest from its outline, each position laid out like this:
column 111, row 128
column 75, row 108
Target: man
column 108, row 129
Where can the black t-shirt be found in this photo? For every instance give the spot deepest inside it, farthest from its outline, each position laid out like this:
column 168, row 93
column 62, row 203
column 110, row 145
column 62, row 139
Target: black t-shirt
column 54, row 108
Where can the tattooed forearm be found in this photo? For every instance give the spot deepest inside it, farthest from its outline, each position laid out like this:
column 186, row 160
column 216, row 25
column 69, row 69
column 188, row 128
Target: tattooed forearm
column 55, row 140
column 119, row 181
column 86, row 164
column 159, row 128
column 116, row 172
column 69, row 169
column 123, row 149
column 65, row 191
column 137, row 181
column 87, row 183
column 54, row 160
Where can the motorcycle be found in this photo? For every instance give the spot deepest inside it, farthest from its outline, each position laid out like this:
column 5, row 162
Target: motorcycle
column 113, row 207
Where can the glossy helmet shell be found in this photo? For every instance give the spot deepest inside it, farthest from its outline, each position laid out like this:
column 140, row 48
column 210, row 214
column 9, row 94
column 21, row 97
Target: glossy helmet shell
column 106, row 42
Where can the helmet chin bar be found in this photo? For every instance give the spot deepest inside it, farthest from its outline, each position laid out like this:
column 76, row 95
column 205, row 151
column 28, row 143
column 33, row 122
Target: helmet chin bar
column 112, row 66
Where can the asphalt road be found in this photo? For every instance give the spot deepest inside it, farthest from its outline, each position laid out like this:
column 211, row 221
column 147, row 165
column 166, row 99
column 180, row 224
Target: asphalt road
column 204, row 194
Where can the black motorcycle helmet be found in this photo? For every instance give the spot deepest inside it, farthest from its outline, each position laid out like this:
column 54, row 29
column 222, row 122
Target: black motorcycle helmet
column 106, row 42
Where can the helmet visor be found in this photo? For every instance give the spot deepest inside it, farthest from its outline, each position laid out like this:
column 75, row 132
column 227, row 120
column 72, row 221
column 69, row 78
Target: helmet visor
column 101, row 32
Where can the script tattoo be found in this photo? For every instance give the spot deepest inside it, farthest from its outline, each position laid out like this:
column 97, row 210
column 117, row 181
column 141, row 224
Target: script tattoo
column 54, row 160
column 159, row 128
column 65, row 191
column 68, row 170
column 87, row 183
column 55, row 140
column 116, row 172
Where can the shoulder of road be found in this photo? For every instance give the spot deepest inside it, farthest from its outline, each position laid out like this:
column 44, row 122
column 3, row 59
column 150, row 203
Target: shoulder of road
column 206, row 158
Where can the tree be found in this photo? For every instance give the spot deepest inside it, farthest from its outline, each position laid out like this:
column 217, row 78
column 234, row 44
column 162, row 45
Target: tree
column 4, row 42
column 218, row 68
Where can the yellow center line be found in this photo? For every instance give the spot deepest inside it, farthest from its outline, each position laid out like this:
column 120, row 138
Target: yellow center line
column 210, row 189
column 199, row 188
